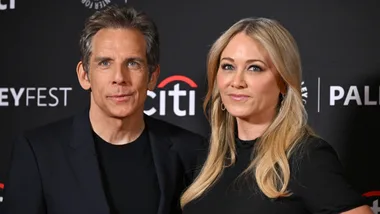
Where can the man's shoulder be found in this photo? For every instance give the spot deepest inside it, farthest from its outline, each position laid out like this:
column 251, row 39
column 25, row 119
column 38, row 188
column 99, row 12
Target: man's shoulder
column 171, row 129
column 54, row 129
column 182, row 139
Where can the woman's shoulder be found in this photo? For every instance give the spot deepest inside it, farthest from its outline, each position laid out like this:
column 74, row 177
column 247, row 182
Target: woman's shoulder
column 318, row 177
column 313, row 154
column 311, row 142
column 312, row 145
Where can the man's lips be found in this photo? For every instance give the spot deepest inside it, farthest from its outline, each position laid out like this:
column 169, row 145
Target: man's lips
column 120, row 97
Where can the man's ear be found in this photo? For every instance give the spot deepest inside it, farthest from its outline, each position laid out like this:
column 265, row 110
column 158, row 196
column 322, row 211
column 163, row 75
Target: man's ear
column 83, row 77
column 153, row 78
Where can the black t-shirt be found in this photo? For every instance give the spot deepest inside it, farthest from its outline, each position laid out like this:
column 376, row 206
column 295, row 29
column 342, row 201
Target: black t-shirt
column 129, row 177
column 317, row 184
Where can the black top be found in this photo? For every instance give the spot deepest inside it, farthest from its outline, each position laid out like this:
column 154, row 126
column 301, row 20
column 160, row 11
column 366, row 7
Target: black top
column 129, row 176
column 317, row 185
column 60, row 163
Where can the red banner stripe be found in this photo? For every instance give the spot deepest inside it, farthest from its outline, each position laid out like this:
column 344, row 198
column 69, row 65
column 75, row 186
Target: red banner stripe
column 372, row 193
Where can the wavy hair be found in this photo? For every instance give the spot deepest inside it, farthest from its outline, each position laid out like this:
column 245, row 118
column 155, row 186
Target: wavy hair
column 270, row 165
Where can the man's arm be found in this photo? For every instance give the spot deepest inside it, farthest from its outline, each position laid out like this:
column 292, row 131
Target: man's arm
column 23, row 188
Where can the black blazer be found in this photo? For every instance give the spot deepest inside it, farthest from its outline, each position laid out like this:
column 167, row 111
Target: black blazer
column 54, row 168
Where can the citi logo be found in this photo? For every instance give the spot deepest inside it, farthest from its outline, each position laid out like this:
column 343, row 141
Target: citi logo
column 375, row 204
column 1, row 188
column 4, row 6
column 177, row 95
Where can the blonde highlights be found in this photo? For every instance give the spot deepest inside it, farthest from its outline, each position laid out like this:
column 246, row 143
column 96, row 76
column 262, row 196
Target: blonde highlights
column 270, row 165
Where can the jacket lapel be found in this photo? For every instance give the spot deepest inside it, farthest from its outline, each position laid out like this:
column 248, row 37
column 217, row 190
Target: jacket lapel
column 166, row 163
column 85, row 164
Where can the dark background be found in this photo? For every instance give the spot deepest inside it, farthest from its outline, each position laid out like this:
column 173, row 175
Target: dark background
column 338, row 41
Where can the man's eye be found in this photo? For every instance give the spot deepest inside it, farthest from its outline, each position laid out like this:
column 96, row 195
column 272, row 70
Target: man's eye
column 133, row 64
column 104, row 63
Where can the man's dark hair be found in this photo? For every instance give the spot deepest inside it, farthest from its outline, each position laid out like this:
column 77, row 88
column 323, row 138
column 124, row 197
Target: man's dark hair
column 121, row 17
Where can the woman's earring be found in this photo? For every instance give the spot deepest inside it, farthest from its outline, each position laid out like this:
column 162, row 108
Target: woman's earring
column 222, row 107
column 282, row 101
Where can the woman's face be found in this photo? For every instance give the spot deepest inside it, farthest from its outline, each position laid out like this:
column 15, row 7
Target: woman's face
column 247, row 80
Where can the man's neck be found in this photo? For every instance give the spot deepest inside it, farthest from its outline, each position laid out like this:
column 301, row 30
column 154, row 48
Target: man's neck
column 117, row 131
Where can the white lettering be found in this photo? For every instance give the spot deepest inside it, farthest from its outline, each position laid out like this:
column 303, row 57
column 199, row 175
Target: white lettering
column 362, row 98
column 88, row 3
column 352, row 94
column 28, row 96
column 3, row 6
column 152, row 110
column 333, row 96
column 176, row 93
column 17, row 96
column 96, row 4
column 12, row 5
column 3, row 97
column 103, row 4
column 162, row 102
column 65, row 95
column 367, row 102
column 39, row 96
column 54, row 97
column 375, row 207
column 192, row 102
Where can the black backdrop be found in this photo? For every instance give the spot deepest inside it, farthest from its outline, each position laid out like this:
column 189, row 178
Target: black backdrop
column 338, row 41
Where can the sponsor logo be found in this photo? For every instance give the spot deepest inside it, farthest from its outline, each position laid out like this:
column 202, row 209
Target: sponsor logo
column 170, row 89
column 353, row 95
column 7, row 5
column 95, row 4
column 100, row 4
column 1, row 189
column 34, row 96
column 304, row 92
column 349, row 95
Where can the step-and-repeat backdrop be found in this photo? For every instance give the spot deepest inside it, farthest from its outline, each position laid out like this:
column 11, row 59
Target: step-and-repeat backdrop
column 339, row 43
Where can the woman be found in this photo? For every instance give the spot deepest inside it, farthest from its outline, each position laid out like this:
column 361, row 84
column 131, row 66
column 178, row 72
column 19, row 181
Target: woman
column 263, row 156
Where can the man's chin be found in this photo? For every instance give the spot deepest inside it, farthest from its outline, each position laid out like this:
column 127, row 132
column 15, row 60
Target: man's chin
column 123, row 113
column 119, row 112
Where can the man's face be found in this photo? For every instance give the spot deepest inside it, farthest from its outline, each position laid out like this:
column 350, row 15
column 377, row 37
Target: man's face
column 118, row 73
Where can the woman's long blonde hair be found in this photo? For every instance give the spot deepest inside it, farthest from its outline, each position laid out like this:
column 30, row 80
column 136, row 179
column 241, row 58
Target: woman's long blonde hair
column 272, row 151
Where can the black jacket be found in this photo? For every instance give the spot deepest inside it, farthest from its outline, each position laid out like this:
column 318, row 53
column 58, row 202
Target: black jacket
column 54, row 168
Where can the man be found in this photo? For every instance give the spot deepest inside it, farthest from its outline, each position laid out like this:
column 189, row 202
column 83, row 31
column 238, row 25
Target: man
column 110, row 158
